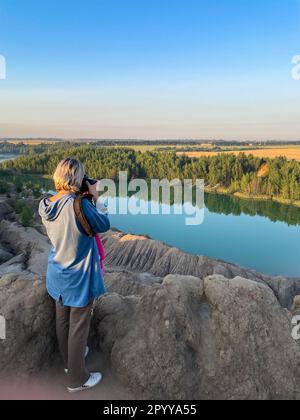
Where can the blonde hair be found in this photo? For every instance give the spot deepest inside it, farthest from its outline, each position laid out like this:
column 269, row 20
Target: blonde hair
column 69, row 175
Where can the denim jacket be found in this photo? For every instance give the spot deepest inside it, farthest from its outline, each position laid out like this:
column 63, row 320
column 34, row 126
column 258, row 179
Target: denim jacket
column 74, row 273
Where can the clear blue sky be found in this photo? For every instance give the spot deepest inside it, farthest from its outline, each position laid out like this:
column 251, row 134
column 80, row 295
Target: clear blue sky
column 150, row 68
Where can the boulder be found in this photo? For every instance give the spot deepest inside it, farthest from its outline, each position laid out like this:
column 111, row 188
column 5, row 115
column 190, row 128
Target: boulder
column 5, row 255
column 189, row 338
column 296, row 306
column 129, row 284
column 30, row 325
column 6, row 211
column 29, row 248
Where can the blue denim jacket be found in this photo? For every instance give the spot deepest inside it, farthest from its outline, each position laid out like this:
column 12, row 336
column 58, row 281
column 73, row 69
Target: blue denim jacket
column 74, row 273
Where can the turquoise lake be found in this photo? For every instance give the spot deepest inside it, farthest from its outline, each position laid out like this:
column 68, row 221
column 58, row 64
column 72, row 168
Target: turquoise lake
column 4, row 157
column 263, row 236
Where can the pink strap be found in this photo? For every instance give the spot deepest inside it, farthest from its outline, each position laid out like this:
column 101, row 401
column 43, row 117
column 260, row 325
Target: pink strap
column 101, row 251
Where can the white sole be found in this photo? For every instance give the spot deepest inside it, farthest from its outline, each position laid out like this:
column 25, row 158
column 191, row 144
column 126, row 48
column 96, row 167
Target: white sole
column 84, row 388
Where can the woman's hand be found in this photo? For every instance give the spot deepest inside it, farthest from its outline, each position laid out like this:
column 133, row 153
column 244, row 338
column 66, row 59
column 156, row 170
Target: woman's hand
column 93, row 191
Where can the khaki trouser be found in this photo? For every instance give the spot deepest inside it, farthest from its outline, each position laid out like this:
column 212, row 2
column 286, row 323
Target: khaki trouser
column 72, row 329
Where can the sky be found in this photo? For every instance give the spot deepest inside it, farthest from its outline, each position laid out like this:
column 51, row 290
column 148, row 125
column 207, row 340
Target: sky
column 152, row 69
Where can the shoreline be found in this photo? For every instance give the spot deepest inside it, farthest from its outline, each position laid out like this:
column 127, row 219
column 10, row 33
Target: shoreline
column 214, row 190
column 244, row 196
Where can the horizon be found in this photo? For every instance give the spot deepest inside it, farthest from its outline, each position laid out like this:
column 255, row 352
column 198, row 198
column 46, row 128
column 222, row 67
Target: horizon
column 154, row 140
column 217, row 69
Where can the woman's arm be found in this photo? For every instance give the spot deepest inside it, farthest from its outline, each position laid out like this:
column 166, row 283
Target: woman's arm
column 99, row 222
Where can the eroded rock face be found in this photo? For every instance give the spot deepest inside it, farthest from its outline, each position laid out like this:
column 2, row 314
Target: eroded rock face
column 30, row 324
column 194, row 339
column 24, row 302
column 28, row 248
column 6, row 211
column 296, row 306
column 140, row 254
column 145, row 255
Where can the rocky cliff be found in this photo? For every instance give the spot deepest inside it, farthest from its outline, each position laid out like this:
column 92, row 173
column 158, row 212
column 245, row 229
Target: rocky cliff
column 173, row 326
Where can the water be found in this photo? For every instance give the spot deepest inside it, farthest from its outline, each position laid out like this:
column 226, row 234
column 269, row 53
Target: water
column 264, row 236
column 6, row 156
column 261, row 235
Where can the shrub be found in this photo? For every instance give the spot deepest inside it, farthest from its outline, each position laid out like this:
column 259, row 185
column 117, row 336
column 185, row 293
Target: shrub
column 24, row 212
column 4, row 187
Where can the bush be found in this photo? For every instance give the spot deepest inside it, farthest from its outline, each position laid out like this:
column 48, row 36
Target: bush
column 24, row 212
column 37, row 192
column 4, row 187
column 26, row 216
column 19, row 185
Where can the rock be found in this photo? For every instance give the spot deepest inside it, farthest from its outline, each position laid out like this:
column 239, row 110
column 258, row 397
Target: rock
column 192, row 339
column 285, row 290
column 4, row 255
column 30, row 247
column 146, row 255
column 296, row 306
column 141, row 254
column 127, row 283
column 30, row 327
column 6, row 211
column 14, row 265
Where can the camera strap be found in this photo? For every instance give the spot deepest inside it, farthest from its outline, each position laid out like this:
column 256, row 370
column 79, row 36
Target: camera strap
column 79, row 213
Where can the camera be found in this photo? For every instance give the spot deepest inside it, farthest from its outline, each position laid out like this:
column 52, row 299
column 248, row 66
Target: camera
column 84, row 186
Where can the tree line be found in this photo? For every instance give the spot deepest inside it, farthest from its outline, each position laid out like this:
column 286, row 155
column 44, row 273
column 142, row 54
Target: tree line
column 241, row 173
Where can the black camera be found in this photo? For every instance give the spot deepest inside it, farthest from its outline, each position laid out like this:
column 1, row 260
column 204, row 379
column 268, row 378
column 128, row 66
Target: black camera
column 84, row 186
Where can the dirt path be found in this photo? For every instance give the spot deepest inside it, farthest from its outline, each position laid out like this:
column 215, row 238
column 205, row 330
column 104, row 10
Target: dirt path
column 50, row 385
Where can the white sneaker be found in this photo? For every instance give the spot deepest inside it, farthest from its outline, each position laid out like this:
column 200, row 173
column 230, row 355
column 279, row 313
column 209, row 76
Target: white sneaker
column 94, row 380
column 87, row 350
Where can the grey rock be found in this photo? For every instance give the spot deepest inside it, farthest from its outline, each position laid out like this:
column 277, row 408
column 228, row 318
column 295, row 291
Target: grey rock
column 296, row 306
column 127, row 283
column 194, row 339
column 30, row 327
column 30, row 246
column 6, row 211
column 5, row 255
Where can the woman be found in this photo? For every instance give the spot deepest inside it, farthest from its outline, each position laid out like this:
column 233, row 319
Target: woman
column 74, row 277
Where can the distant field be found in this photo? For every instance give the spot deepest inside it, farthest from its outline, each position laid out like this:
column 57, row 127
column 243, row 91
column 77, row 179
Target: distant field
column 192, row 150
column 288, row 152
column 164, row 147
column 31, row 142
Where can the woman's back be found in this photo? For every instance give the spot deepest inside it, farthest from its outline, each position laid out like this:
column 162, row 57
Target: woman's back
column 74, row 277
column 74, row 273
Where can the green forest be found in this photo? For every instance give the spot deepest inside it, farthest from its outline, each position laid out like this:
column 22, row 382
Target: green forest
column 241, row 173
